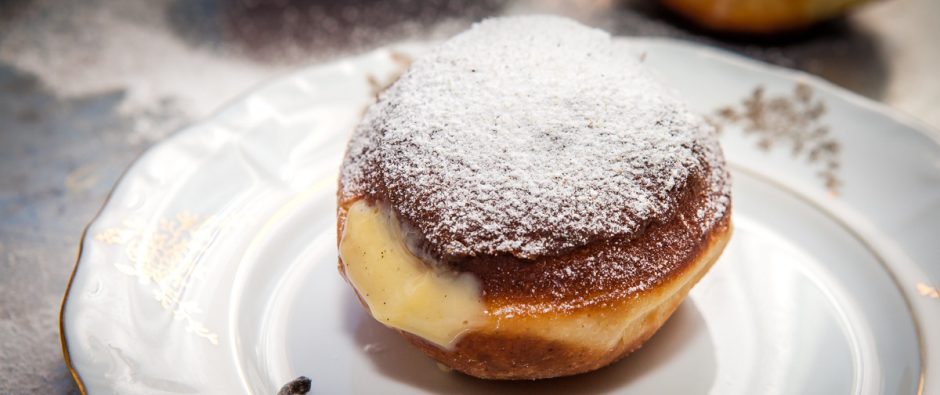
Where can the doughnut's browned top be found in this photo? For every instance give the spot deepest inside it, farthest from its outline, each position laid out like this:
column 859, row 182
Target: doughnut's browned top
column 537, row 155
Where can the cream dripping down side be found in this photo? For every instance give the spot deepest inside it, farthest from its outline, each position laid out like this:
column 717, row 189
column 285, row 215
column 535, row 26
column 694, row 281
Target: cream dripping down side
column 401, row 291
column 440, row 306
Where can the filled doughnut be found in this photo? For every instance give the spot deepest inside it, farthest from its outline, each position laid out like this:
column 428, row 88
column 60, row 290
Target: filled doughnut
column 765, row 17
column 527, row 202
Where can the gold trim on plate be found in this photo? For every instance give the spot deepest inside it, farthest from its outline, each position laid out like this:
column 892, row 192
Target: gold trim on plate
column 68, row 289
column 795, row 121
column 402, row 61
column 928, row 291
column 167, row 258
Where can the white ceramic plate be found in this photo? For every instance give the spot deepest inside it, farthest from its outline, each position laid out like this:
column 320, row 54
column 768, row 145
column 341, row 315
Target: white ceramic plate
column 212, row 267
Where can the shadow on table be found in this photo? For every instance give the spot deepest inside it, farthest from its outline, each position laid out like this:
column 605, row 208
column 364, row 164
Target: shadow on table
column 839, row 50
column 284, row 31
column 291, row 30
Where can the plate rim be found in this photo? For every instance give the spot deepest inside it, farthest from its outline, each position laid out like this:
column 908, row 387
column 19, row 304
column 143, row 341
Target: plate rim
column 912, row 123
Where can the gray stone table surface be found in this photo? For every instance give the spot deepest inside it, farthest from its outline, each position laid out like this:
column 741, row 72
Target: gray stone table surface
column 86, row 86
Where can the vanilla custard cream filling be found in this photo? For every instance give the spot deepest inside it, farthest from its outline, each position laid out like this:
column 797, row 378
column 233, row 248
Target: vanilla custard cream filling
column 401, row 290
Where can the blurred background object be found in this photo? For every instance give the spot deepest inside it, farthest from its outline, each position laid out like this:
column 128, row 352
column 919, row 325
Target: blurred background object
column 759, row 16
column 86, row 86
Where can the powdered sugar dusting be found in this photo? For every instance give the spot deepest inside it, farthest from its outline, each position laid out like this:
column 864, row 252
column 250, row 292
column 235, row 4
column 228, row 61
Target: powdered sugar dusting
column 527, row 136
